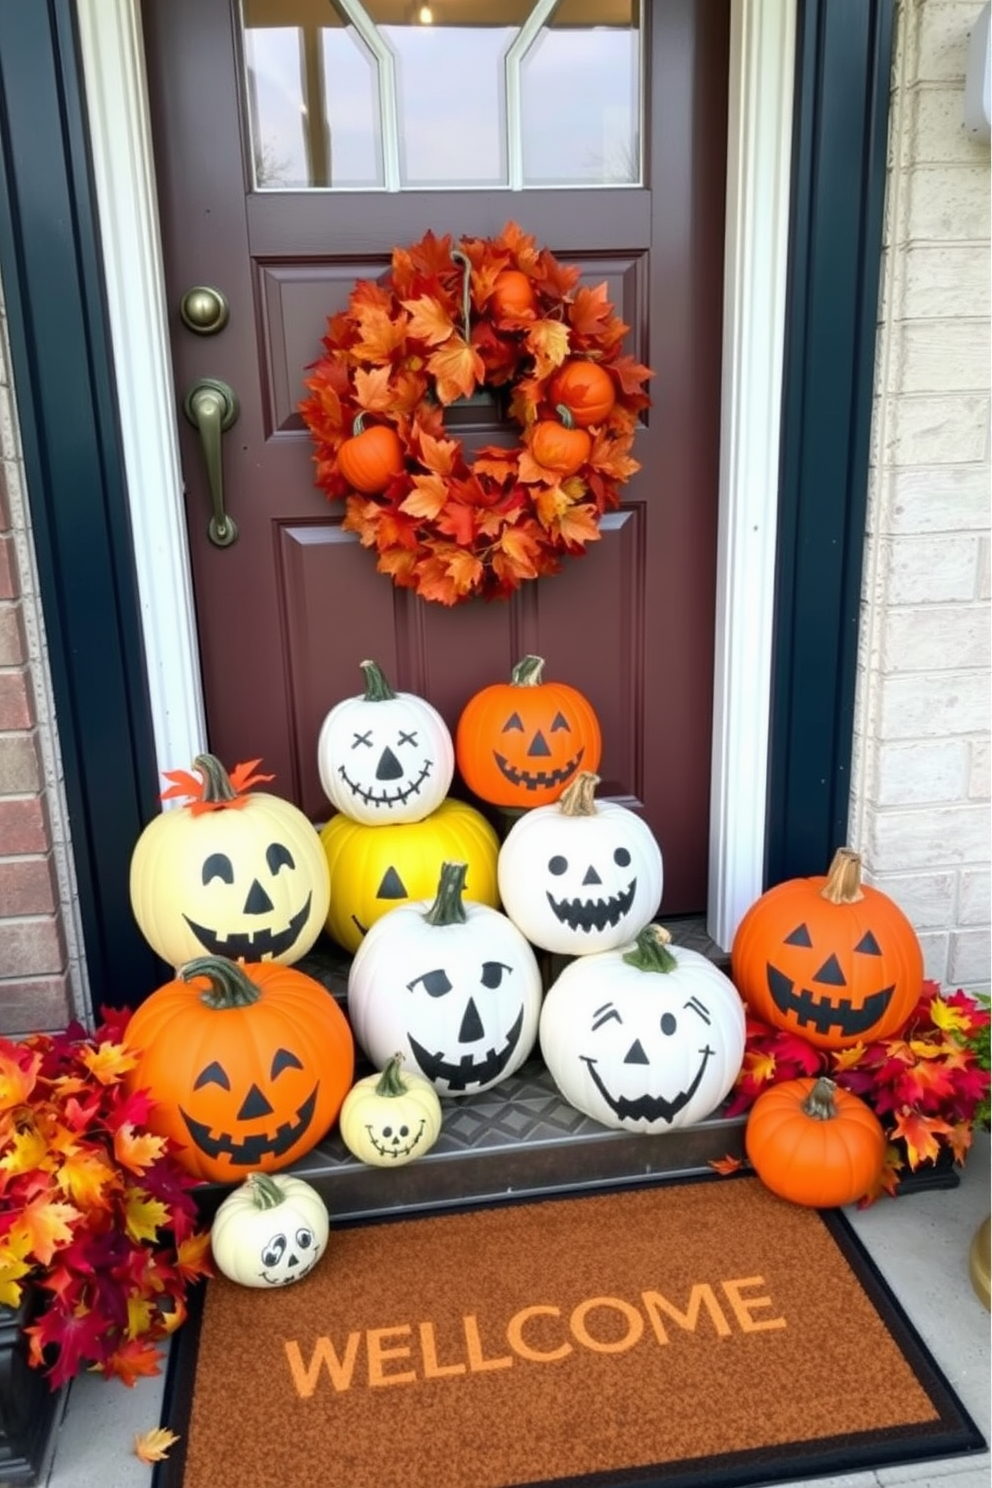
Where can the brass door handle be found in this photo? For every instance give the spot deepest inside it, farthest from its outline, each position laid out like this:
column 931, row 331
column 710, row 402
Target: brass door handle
column 211, row 406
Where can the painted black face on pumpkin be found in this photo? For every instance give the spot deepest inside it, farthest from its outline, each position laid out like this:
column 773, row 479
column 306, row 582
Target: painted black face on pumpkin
column 256, row 1127
column 396, row 1140
column 384, row 776
column 630, row 1069
column 289, row 1257
column 830, row 1002
column 585, row 904
column 483, row 1047
column 244, row 926
column 538, row 759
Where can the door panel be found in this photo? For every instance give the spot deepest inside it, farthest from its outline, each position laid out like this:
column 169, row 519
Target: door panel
column 289, row 611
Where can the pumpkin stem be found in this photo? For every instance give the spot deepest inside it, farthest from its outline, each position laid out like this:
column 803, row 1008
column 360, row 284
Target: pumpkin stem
column 265, row 1192
column 565, row 415
column 391, row 1081
column 843, row 885
column 230, row 987
column 462, row 258
column 527, row 673
column 377, row 689
column 651, row 952
column 448, row 907
column 820, row 1104
column 216, row 781
column 579, row 797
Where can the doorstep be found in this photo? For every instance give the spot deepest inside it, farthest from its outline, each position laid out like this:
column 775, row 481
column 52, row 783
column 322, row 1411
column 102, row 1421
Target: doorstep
column 518, row 1138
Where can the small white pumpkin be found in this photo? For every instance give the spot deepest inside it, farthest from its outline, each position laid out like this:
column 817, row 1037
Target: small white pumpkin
column 390, row 1118
column 270, row 1231
column 453, row 985
column 581, row 875
column 384, row 757
column 645, row 1038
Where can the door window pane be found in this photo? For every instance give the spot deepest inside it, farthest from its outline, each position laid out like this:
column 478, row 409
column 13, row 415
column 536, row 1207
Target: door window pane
column 421, row 94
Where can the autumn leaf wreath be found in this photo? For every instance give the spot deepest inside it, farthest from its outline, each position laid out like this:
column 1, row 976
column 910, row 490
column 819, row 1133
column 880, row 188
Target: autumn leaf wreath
column 445, row 322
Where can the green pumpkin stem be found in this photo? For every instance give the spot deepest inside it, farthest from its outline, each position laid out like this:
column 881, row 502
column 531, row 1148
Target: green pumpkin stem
column 216, row 781
column 449, row 907
column 843, row 885
column 377, row 689
column 820, row 1104
column 265, row 1192
column 651, row 952
column 230, row 986
column 565, row 415
column 579, row 797
column 391, row 1081
column 527, row 673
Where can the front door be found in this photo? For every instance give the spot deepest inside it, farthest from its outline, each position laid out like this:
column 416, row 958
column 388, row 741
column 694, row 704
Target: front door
column 297, row 142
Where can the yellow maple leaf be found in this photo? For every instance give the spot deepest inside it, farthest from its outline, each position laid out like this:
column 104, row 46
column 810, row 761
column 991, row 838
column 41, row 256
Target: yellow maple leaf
column 49, row 1224
column 458, row 370
column 379, row 336
column 428, row 497
column 579, row 525
column 136, row 1150
column 15, row 1247
column 109, row 1063
column 372, row 389
column 24, row 1149
column 464, row 569
column 154, row 1446
column 16, row 1080
column 550, row 503
column 761, row 1067
column 87, row 1178
column 845, row 1059
column 949, row 1019
column 548, row 342
column 143, row 1216
column 140, row 1316
column 429, row 320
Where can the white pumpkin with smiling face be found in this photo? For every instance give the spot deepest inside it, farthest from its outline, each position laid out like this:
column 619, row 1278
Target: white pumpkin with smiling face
column 582, row 875
column 384, row 757
column 646, row 1038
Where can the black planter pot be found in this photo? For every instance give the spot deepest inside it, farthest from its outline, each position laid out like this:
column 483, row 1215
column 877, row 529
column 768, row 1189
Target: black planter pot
column 941, row 1172
column 30, row 1410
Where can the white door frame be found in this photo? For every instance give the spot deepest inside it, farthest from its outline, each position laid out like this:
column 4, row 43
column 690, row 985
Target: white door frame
column 762, row 59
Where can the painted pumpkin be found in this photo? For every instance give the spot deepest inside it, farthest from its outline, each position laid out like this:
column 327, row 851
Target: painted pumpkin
column 558, row 445
column 391, row 1117
column 247, row 1065
column 812, row 1142
column 582, row 875
column 375, row 869
column 271, row 1231
column 586, row 389
column 233, row 872
column 385, row 756
column 644, row 1039
column 829, row 958
column 371, row 458
column 452, row 984
column 519, row 743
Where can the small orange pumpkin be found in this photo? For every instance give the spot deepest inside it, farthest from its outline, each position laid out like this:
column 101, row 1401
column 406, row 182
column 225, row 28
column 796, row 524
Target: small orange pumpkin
column 519, row 743
column 586, row 389
column 828, row 958
column 371, row 458
column 560, row 447
column 814, row 1143
column 513, row 295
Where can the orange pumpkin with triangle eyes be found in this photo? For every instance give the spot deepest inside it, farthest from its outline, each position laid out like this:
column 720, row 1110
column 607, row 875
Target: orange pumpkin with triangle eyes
column 520, row 743
column 829, row 958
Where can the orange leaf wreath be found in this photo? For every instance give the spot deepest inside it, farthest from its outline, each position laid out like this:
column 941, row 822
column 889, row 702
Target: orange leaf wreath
column 434, row 330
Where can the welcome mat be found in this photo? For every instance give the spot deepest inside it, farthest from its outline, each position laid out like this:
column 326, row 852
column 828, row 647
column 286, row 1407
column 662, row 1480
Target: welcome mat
column 702, row 1332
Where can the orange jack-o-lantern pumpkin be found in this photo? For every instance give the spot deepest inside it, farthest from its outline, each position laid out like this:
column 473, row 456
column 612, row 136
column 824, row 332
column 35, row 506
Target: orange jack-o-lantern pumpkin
column 519, row 743
column 247, row 1065
column 829, row 958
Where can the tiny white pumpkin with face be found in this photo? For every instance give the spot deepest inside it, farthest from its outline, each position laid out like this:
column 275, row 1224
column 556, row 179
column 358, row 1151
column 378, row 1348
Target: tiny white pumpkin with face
column 451, row 984
column 391, row 1117
column 646, row 1038
column 581, row 875
column 385, row 757
column 270, row 1231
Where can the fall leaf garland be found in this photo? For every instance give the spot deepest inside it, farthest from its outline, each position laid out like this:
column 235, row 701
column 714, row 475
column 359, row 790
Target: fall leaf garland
column 498, row 316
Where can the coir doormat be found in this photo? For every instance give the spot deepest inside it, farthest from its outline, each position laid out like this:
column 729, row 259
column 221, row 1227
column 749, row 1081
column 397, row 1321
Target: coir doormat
column 686, row 1334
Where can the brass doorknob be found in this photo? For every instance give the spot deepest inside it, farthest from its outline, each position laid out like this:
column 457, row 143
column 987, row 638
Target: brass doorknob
column 211, row 406
column 204, row 310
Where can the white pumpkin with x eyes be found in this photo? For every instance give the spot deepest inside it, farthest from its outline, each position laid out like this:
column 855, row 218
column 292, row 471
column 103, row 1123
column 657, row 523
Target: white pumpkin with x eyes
column 269, row 1231
column 581, row 875
column 452, row 985
column 645, row 1038
column 385, row 757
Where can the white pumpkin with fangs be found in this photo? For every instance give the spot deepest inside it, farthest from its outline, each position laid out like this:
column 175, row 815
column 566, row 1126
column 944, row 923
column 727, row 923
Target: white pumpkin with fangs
column 581, row 875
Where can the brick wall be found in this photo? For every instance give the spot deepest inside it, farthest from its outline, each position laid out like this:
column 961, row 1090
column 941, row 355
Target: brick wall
column 920, row 808
column 41, row 976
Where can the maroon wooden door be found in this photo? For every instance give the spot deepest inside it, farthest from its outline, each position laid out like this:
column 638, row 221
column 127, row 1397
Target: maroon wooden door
column 286, row 613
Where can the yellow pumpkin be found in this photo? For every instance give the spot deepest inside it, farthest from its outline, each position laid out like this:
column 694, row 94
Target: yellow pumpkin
column 375, row 868
column 391, row 1117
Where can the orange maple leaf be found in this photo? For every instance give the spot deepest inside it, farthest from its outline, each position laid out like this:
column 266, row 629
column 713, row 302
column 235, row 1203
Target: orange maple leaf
column 400, row 564
column 609, row 456
column 380, row 336
column 136, row 1150
column 590, row 310
column 499, row 464
column 193, row 1255
column 438, row 455
column 88, row 1179
column 427, row 499
column 49, row 1224
column 132, row 1361
column 108, row 1062
column 919, row 1134
column 849, row 1058
column 373, row 392
column 519, row 546
column 18, row 1073
column 548, row 343
column 631, row 375
column 430, row 321
column 578, row 525
column 457, row 369
column 725, row 1165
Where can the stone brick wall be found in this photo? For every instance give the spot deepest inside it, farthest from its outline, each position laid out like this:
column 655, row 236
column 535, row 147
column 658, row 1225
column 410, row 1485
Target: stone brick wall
column 41, row 976
column 920, row 807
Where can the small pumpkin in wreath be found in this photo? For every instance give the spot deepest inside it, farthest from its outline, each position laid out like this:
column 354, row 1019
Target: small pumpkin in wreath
column 270, row 1231
column 390, row 1117
column 812, row 1142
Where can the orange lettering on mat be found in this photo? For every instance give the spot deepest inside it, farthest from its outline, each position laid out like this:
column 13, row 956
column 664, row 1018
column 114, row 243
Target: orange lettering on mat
column 428, row 1347
column 305, row 1376
column 702, row 1295
column 515, row 1336
column 635, row 1325
column 379, row 1354
column 744, row 1306
column 476, row 1361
